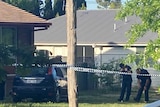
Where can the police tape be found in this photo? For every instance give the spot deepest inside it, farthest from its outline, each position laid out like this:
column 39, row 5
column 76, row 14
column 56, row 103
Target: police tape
column 91, row 70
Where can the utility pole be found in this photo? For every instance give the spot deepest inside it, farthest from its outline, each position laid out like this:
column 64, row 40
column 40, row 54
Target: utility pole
column 71, row 47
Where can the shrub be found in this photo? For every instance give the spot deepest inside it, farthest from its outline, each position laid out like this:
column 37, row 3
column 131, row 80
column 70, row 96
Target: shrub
column 110, row 81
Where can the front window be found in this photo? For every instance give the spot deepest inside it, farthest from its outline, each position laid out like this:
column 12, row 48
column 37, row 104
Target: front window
column 8, row 36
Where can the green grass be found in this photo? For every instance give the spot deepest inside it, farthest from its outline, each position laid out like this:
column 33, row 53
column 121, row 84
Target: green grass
column 66, row 105
column 89, row 99
column 109, row 99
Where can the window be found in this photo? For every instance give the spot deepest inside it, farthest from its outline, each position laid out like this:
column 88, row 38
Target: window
column 8, row 36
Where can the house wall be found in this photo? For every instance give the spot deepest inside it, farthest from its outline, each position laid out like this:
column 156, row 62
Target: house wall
column 101, row 56
column 83, row 53
column 104, row 55
column 55, row 51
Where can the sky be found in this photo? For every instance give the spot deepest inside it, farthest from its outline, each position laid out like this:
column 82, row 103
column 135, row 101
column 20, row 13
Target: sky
column 92, row 4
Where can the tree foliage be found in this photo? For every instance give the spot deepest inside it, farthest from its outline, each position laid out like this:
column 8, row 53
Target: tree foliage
column 23, row 57
column 59, row 6
column 50, row 9
column 31, row 6
column 81, row 4
column 110, row 80
column 149, row 13
column 115, row 5
column 111, row 4
column 5, row 59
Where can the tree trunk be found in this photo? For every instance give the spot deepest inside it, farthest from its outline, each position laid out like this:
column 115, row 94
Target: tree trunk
column 71, row 45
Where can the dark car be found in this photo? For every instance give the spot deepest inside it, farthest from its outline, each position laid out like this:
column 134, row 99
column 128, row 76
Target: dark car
column 42, row 84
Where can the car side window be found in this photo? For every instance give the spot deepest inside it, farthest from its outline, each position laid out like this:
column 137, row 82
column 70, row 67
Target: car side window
column 59, row 72
column 54, row 73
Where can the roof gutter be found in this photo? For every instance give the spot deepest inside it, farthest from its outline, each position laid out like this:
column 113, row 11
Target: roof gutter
column 37, row 26
column 42, row 28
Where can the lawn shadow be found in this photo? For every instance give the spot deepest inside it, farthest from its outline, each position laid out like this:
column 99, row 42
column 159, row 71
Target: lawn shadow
column 99, row 97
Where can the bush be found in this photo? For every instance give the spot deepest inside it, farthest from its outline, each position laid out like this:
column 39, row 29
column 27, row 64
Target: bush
column 110, row 81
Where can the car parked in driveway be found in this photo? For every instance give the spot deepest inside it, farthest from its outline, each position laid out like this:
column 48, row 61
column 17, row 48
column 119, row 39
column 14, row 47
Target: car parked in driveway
column 42, row 84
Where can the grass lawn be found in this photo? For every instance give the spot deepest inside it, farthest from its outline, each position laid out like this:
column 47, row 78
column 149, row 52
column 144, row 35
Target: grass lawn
column 89, row 99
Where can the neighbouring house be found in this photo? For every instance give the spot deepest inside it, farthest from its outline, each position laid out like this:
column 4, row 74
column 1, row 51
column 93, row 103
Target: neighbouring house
column 100, row 38
column 17, row 29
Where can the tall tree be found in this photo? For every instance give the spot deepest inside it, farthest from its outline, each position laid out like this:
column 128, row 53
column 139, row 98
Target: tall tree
column 59, row 6
column 113, row 4
column 149, row 13
column 31, row 6
column 81, row 4
column 48, row 11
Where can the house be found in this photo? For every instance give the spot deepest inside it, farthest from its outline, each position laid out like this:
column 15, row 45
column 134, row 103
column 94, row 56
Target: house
column 17, row 29
column 100, row 38
column 17, row 26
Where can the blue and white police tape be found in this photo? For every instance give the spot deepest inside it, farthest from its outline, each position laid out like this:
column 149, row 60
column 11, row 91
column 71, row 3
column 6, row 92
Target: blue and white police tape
column 91, row 70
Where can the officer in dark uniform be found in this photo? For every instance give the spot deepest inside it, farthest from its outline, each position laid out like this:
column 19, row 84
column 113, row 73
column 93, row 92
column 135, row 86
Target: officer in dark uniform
column 144, row 83
column 126, row 82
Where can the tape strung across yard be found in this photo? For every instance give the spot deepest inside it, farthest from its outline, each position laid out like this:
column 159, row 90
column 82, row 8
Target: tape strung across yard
column 90, row 70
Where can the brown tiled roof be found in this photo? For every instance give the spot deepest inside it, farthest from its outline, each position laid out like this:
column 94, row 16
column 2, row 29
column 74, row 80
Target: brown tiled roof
column 13, row 15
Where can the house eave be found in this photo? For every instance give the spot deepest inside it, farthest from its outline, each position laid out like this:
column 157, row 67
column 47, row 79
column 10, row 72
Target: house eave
column 45, row 25
column 93, row 45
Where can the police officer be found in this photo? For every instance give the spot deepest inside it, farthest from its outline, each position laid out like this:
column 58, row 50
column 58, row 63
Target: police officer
column 144, row 83
column 126, row 82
